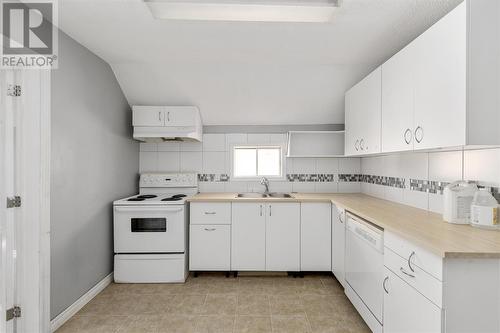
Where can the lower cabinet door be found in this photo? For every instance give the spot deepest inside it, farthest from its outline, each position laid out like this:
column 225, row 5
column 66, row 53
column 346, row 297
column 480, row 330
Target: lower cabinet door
column 338, row 243
column 406, row 310
column 248, row 237
column 316, row 236
column 210, row 248
column 283, row 237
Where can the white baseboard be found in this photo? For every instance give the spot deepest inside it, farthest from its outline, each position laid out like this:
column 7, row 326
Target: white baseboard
column 80, row 303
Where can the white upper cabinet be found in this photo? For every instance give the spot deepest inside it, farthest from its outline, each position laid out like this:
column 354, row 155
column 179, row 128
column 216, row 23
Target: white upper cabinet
column 440, row 83
column 398, row 101
column 440, row 91
column 363, row 115
column 148, row 116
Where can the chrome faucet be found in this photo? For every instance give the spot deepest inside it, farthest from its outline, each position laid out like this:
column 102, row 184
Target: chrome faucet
column 264, row 181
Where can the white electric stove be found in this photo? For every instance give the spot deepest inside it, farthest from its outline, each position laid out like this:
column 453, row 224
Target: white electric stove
column 151, row 230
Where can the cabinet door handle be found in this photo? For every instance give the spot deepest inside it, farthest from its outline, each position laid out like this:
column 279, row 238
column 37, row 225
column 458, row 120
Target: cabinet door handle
column 384, row 285
column 420, row 130
column 408, row 136
column 270, row 210
column 409, row 262
column 168, row 116
column 260, row 210
column 356, row 145
column 210, row 213
column 405, row 272
column 361, row 144
column 210, row 229
column 340, row 218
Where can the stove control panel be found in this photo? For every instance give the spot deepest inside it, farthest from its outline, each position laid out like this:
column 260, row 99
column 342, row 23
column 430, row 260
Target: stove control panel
column 168, row 180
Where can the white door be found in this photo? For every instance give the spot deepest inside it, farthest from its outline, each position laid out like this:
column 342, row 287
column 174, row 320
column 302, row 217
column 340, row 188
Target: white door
column 148, row 116
column 398, row 101
column 180, row 115
column 338, row 243
column 210, row 247
column 248, row 237
column 9, row 160
column 351, row 125
column 406, row 310
column 365, row 103
column 315, row 236
column 283, row 237
column 440, row 83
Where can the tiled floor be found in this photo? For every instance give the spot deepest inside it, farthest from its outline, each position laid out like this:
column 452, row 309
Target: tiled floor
column 213, row 303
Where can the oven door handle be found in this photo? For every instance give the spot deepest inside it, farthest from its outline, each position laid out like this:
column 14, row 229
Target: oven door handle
column 148, row 209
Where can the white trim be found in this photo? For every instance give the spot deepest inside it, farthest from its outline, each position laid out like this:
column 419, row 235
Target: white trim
column 70, row 311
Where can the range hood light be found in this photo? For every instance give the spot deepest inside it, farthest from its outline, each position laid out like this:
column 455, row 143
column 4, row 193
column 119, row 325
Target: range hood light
column 253, row 11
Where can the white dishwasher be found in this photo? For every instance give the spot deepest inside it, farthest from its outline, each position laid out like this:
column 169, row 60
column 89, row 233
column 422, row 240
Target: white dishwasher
column 364, row 265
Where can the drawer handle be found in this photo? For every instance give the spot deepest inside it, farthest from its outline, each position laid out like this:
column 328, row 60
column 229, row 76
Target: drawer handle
column 409, row 261
column 385, row 287
column 210, row 213
column 405, row 272
column 210, row 229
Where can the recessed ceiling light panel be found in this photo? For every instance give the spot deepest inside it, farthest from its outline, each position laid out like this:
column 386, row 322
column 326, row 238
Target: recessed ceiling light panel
column 256, row 11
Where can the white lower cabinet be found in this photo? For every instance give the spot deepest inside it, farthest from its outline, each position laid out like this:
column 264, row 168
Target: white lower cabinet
column 315, row 236
column 338, row 243
column 406, row 310
column 265, row 237
column 283, row 237
column 210, row 247
column 248, row 249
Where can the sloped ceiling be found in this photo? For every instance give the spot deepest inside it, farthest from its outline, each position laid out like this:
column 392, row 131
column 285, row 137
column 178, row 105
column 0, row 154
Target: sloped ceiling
column 241, row 73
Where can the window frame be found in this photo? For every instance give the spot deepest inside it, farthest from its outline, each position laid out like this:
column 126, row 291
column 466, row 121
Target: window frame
column 282, row 148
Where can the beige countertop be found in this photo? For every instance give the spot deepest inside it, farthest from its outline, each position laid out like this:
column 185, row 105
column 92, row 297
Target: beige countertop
column 416, row 225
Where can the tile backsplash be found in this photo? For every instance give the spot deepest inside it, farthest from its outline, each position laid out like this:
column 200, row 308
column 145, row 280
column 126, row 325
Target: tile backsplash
column 211, row 160
column 418, row 179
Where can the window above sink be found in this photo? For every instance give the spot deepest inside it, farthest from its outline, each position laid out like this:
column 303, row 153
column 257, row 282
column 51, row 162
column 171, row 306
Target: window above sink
column 252, row 162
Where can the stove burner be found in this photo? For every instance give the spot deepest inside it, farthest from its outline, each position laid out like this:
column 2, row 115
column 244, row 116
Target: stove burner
column 172, row 199
column 136, row 199
column 146, row 196
column 179, row 196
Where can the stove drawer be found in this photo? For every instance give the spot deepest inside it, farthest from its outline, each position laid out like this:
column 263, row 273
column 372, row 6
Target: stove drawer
column 210, row 213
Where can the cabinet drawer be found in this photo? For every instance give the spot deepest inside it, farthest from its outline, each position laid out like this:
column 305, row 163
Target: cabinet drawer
column 210, row 213
column 422, row 281
column 420, row 257
column 210, row 247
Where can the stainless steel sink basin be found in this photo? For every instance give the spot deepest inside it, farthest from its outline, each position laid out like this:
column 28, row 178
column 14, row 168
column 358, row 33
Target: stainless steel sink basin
column 251, row 195
column 279, row 195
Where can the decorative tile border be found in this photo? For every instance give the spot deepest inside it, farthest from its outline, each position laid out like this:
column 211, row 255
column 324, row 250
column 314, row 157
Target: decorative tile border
column 349, row 177
column 396, row 182
column 324, row 177
column 212, row 177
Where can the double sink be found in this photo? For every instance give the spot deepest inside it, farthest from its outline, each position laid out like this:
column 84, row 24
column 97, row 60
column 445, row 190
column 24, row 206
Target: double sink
column 264, row 195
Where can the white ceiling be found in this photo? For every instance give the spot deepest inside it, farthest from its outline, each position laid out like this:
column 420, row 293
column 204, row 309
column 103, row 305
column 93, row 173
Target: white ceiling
column 243, row 72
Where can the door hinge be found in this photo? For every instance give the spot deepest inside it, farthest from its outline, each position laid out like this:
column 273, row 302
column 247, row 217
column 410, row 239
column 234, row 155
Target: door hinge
column 13, row 202
column 14, row 90
column 14, row 312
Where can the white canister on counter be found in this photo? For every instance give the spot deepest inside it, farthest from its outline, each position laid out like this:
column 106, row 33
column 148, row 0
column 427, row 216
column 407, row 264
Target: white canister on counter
column 457, row 200
column 484, row 210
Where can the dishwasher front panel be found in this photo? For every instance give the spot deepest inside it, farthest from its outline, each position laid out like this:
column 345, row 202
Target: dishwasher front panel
column 365, row 264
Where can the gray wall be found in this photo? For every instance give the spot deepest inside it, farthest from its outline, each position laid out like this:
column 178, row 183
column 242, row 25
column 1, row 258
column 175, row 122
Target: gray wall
column 94, row 161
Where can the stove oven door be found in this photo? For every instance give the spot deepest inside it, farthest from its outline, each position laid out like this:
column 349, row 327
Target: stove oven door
column 149, row 229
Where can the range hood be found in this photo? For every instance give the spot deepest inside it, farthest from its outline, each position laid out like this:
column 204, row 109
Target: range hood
column 166, row 123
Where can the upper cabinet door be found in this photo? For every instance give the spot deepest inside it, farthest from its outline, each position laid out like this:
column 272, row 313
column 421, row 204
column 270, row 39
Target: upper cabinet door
column 398, row 101
column 440, row 83
column 365, row 113
column 147, row 116
column 351, row 135
column 180, row 115
column 282, row 237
